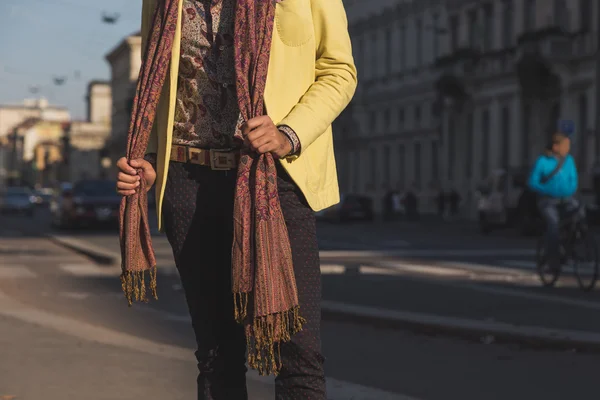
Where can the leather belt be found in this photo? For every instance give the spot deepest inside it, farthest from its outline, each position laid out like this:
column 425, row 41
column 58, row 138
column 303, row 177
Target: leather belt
column 222, row 160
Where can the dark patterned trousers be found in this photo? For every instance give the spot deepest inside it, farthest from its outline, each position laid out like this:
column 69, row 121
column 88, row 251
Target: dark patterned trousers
column 198, row 212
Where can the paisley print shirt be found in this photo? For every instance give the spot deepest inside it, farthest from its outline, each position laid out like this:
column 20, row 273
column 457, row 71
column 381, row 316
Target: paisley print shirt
column 206, row 113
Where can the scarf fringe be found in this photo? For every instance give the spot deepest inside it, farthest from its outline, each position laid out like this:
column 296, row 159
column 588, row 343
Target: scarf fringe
column 133, row 284
column 265, row 334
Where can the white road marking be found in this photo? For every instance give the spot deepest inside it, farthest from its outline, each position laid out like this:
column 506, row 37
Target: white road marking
column 333, row 269
column 338, row 390
column 456, row 323
column 480, row 267
column 75, row 295
column 16, row 272
column 519, row 264
column 428, row 253
column 479, row 272
column 90, row 270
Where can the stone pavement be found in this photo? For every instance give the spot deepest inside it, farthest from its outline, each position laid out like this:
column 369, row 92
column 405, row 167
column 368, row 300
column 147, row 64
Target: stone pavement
column 38, row 363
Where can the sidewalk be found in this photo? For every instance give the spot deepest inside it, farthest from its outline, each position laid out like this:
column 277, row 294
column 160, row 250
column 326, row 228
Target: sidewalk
column 42, row 364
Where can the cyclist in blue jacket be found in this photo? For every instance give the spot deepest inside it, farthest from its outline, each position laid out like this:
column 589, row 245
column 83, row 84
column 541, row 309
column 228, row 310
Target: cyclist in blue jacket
column 554, row 178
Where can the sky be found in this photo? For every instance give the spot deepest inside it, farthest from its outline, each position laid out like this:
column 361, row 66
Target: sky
column 43, row 39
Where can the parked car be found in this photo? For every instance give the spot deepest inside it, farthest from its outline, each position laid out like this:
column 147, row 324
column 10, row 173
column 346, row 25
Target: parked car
column 43, row 197
column 18, row 200
column 86, row 203
column 352, row 207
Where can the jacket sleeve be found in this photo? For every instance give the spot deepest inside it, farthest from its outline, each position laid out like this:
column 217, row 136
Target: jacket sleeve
column 147, row 14
column 535, row 178
column 335, row 74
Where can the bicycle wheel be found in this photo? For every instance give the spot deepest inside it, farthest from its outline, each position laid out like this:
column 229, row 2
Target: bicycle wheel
column 585, row 261
column 547, row 275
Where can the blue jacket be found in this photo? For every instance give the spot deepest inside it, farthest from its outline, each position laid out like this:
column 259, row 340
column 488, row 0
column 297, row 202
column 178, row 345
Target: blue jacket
column 563, row 184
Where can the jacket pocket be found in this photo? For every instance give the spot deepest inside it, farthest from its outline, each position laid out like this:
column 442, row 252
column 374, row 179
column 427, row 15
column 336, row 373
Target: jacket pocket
column 293, row 21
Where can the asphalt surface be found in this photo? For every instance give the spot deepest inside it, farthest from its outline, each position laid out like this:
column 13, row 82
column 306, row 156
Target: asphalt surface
column 418, row 268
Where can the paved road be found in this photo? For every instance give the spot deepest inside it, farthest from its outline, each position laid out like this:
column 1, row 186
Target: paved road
column 45, row 277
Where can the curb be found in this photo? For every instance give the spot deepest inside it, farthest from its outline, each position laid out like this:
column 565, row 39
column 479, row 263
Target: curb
column 424, row 323
column 97, row 254
column 482, row 331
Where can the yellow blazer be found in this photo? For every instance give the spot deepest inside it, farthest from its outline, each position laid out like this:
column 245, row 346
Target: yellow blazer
column 311, row 79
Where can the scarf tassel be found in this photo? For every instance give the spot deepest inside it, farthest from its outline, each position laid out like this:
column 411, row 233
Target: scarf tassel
column 266, row 333
column 133, row 284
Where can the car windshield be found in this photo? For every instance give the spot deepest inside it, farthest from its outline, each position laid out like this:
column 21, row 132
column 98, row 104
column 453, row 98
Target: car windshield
column 18, row 195
column 95, row 188
column 17, row 192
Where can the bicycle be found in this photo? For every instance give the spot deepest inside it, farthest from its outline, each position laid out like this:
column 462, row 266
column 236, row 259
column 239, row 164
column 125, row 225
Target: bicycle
column 573, row 235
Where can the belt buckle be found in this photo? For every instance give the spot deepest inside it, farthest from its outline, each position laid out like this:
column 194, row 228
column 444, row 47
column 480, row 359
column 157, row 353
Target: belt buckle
column 193, row 155
column 221, row 161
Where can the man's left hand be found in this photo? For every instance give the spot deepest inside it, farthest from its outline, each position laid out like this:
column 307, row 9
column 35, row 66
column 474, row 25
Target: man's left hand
column 263, row 136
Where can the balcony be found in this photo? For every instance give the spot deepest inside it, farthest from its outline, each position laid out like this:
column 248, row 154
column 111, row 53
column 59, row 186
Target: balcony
column 454, row 71
column 460, row 62
column 556, row 45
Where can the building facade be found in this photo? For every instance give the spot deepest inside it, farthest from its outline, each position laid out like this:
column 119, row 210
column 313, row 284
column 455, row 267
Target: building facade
column 14, row 118
column 45, row 146
column 452, row 90
column 125, row 61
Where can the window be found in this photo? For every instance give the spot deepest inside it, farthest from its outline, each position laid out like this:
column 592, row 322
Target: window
column 529, row 15
column 372, row 122
column 580, row 139
column 386, row 166
column 401, row 165
column 451, row 148
column 561, row 15
column 417, row 116
column 417, row 161
column 505, row 135
column 386, row 120
column 373, row 161
column 454, row 26
column 488, row 26
column 419, row 45
column 356, row 173
column 469, row 144
column 374, row 64
column 403, row 47
column 472, row 16
column 525, row 134
column 435, row 162
column 436, row 36
column 585, row 15
column 360, row 53
column 507, row 23
column 388, row 51
column 401, row 118
column 485, row 144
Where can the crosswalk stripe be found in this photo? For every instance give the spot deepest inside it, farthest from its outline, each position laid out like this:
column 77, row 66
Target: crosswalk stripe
column 90, row 270
column 16, row 271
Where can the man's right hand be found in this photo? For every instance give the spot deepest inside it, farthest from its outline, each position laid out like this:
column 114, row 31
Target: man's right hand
column 128, row 180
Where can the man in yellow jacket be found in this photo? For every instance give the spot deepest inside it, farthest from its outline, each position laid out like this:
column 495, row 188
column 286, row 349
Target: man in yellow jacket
column 192, row 157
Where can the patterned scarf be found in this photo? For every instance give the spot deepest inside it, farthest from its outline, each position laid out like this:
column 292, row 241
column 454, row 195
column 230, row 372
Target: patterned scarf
column 137, row 255
column 264, row 285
